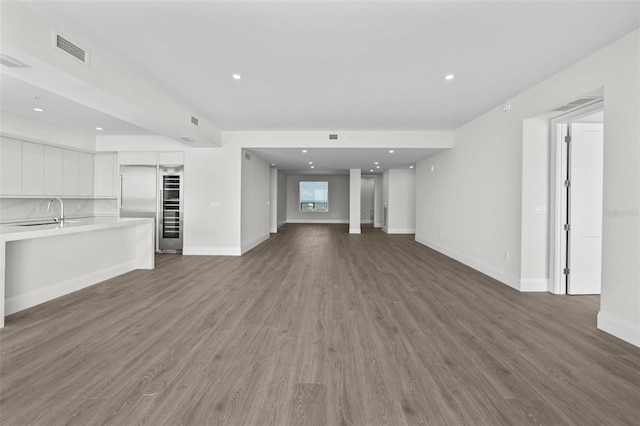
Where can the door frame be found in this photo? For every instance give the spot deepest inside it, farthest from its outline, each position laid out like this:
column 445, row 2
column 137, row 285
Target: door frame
column 557, row 198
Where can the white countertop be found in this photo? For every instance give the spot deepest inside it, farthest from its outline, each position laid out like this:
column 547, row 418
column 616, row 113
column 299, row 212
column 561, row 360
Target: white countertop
column 70, row 226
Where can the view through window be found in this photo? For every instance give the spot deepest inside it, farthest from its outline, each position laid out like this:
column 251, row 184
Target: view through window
column 314, row 196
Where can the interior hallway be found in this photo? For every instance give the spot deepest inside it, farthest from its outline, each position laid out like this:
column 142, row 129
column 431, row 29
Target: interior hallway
column 315, row 326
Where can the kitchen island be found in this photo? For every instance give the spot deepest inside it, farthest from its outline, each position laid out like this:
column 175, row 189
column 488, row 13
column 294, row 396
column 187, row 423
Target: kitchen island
column 42, row 262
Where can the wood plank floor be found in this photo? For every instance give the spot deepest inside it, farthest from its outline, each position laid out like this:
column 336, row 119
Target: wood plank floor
column 315, row 327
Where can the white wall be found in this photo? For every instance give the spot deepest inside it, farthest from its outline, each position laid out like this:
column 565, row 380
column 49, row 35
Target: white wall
column 534, row 259
column 377, row 202
column 401, row 210
column 255, row 201
column 282, row 198
column 338, row 200
column 385, row 201
column 367, row 195
column 273, row 201
column 470, row 206
column 355, row 194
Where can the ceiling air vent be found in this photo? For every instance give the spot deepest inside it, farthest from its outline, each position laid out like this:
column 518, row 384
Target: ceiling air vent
column 73, row 50
column 247, row 156
column 195, row 121
column 578, row 103
column 333, row 136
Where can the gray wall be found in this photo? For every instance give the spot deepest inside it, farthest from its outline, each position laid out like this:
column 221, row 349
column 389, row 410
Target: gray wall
column 338, row 200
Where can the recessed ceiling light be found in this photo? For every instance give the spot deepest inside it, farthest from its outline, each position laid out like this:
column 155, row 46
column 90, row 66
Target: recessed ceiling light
column 449, row 77
column 38, row 109
column 411, row 167
column 377, row 167
column 98, row 128
column 376, row 163
column 391, row 151
column 370, row 171
column 237, row 76
column 310, row 162
column 313, row 167
column 273, row 164
column 304, row 151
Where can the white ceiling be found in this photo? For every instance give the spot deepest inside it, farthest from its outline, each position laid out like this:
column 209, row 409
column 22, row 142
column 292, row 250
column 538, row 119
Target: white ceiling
column 340, row 160
column 330, row 65
column 21, row 98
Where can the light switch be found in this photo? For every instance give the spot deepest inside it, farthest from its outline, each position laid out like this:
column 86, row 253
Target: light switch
column 541, row 209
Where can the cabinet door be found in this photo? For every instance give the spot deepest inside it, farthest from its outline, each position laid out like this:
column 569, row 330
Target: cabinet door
column 32, row 169
column 10, row 167
column 106, row 174
column 70, row 172
column 86, row 165
column 52, row 171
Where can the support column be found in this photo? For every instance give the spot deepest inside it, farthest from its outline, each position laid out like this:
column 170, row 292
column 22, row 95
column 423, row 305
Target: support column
column 355, row 183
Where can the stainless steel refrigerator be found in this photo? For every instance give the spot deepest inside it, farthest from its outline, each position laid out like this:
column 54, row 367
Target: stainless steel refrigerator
column 155, row 192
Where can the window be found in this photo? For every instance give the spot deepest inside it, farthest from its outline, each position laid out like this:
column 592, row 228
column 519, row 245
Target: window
column 314, row 196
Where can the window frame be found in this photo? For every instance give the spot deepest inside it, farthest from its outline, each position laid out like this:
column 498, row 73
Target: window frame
column 314, row 210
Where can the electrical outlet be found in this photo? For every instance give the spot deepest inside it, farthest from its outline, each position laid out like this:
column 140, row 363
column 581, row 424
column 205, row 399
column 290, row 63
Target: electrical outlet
column 506, row 255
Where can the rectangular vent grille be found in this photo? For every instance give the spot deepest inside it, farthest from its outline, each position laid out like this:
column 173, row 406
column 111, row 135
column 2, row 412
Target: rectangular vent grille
column 332, row 136
column 576, row 104
column 73, row 50
column 247, row 156
column 195, row 121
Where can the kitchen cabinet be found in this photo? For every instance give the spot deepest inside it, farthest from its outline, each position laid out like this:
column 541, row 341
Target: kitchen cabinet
column 86, row 166
column 70, row 174
column 106, row 173
column 138, row 158
column 32, row 169
column 53, row 163
column 10, row 166
column 171, row 158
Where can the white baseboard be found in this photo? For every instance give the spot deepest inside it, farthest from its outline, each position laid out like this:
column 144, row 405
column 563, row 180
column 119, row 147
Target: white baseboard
column 502, row 276
column 254, row 243
column 355, row 230
column 211, row 251
column 620, row 328
column 377, row 225
column 366, row 222
column 284, row 222
column 36, row 297
column 534, row 285
column 341, row 221
column 401, row 231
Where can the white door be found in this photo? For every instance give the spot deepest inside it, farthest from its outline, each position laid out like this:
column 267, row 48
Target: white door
column 585, row 208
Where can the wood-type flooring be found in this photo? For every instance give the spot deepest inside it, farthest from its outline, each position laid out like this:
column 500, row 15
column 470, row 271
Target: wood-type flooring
column 315, row 327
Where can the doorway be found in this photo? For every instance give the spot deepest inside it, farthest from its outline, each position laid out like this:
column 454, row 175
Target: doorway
column 579, row 143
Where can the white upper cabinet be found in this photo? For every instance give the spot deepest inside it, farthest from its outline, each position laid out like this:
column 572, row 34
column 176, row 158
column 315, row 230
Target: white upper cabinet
column 106, row 173
column 32, row 169
column 53, row 159
column 70, row 174
column 86, row 167
column 138, row 158
column 170, row 158
column 10, row 167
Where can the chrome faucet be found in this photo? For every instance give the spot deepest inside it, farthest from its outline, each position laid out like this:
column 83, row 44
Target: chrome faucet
column 61, row 218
